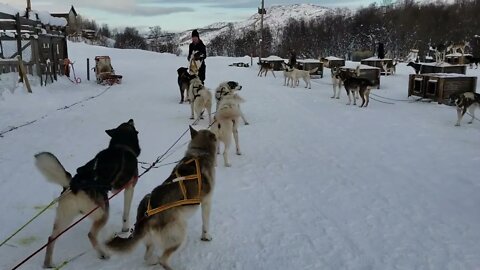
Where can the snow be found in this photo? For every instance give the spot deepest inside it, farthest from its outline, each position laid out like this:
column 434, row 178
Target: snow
column 375, row 58
column 273, row 58
column 354, row 65
column 457, row 55
column 315, row 61
column 330, row 58
column 48, row 19
column 5, row 8
column 320, row 185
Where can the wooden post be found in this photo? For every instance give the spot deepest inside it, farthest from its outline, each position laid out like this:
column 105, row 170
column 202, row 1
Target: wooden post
column 19, row 39
column 24, row 73
column 261, row 32
column 88, row 69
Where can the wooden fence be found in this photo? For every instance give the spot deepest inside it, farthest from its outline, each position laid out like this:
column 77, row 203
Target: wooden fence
column 46, row 45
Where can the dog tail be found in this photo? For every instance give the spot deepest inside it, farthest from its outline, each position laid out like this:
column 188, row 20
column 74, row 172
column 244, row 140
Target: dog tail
column 52, row 169
column 313, row 70
column 119, row 244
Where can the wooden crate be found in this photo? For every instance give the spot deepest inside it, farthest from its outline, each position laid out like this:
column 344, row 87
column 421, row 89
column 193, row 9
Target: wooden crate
column 333, row 62
column 416, row 85
column 276, row 61
column 442, row 68
column 457, row 59
column 439, row 86
column 309, row 64
column 368, row 72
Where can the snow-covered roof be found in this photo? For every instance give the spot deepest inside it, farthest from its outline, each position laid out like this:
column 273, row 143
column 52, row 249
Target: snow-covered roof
column 273, row 58
column 43, row 16
column 374, row 58
column 447, row 75
column 435, row 64
column 354, row 65
column 330, row 58
column 315, row 61
column 457, row 55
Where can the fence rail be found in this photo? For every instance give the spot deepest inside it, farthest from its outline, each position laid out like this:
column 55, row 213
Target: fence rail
column 43, row 43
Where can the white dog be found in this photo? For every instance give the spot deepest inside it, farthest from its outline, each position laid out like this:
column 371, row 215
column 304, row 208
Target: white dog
column 336, row 82
column 287, row 74
column 202, row 100
column 226, row 124
column 226, row 89
column 298, row 74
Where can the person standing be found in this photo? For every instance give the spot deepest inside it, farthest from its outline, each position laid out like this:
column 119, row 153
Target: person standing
column 200, row 50
column 292, row 61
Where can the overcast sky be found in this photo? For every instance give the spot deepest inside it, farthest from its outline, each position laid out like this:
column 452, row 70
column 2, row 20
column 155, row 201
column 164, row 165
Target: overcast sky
column 171, row 15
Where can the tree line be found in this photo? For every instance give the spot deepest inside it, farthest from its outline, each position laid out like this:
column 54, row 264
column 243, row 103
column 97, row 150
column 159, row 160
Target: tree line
column 341, row 32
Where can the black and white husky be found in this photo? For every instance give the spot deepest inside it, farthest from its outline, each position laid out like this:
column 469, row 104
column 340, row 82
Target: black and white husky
column 465, row 101
column 114, row 168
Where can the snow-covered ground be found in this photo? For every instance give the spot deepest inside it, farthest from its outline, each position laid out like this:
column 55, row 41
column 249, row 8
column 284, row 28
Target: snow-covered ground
column 320, row 185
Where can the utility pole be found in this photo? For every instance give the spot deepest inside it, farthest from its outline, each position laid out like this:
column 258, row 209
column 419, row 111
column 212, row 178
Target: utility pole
column 29, row 6
column 262, row 12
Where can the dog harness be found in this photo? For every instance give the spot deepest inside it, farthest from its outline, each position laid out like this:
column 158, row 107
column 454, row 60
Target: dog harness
column 180, row 180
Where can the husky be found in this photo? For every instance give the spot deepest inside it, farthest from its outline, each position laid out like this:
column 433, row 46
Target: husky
column 455, row 47
column 473, row 60
column 389, row 68
column 287, row 75
column 226, row 124
column 111, row 169
column 298, row 74
column 201, row 98
column 226, row 89
column 416, row 66
column 264, row 68
column 336, row 82
column 180, row 197
column 183, row 80
column 465, row 101
column 195, row 64
column 353, row 83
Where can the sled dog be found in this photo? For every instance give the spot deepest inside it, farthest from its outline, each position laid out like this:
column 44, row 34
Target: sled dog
column 201, row 99
column 226, row 89
column 298, row 74
column 163, row 214
column 111, row 169
column 353, row 83
column 465, row 101
column 264, row 68
column 226, row 124
column 183, row 80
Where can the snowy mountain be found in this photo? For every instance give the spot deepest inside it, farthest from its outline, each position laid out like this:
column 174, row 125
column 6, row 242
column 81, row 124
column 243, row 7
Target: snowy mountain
column 276, row 18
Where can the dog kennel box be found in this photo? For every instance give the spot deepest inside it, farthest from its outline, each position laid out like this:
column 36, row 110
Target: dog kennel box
column 457, row 59
column 276, row 61
column 309, row 64
column 368, row 72
column 333, row 62
column 416, row 85
column 377, row 62
column 442, row 68
column 439, row 86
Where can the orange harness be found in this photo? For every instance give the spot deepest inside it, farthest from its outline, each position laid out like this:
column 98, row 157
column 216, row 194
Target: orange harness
column 185, row 201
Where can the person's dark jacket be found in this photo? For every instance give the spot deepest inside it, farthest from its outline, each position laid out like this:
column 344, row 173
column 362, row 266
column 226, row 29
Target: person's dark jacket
column 201, row 54
column 200, row 48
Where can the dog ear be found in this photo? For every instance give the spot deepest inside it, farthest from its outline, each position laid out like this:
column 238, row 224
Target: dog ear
column 193, row 132
column 110, row 132
column 130, row 122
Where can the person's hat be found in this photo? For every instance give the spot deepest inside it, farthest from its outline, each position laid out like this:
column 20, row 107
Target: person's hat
column 195, row 33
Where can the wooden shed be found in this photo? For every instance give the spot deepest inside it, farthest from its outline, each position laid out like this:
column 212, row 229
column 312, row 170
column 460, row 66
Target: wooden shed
column 332, row 61
column 276, row 61
column 309, row 64
column 439, row 86
column 368, row 72
column 457, row 59
column 442, row 68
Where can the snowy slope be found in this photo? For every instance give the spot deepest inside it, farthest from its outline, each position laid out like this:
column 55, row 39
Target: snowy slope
column 276, row 18
column 320, row 185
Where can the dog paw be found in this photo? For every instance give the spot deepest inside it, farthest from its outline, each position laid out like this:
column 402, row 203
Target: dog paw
column 332, row 97
column 191, row 118
column 152, row 260
column 247, row 123
column 470, row 122
column 206, row 237
column 103, row 255
column 228, row 165
column 337, row 97
column 48, row 265
column 457, row 124
column 239, row 153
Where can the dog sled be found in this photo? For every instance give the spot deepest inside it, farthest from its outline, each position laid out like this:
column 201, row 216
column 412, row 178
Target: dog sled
column 104, row 71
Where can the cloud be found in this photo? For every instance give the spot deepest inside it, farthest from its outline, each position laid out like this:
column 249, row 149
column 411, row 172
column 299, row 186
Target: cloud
column 124, row 7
